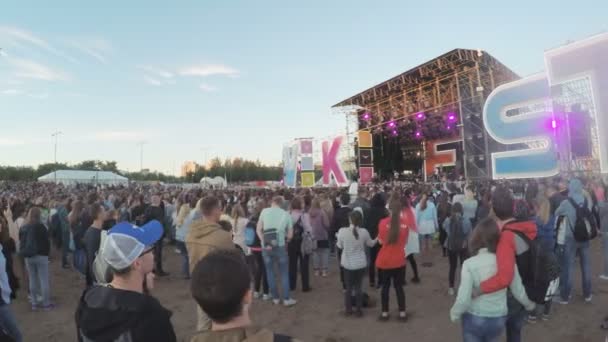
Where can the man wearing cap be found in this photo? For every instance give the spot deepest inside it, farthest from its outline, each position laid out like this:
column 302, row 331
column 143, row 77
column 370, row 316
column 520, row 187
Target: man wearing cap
column 122, row 310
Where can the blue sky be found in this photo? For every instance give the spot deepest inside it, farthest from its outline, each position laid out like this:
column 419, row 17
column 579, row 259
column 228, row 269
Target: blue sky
column 233, row 78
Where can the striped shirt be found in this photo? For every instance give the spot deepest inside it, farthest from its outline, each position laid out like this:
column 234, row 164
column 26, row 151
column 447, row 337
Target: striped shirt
column 353, row 249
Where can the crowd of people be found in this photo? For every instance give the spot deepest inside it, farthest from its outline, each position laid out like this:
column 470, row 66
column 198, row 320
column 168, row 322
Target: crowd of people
column 516, row 245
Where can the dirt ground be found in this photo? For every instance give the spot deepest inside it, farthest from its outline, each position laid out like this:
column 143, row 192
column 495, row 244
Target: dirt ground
column 316, row 316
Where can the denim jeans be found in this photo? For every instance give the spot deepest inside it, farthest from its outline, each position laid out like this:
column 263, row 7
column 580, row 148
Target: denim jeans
column 482, row 329
column 515, row 321
column 353, row 280
column 38, row 271
column 605, row 253
column 181, row 246
column 277, row 255
column 9, row 323
column 320, row 259
column 568, row 253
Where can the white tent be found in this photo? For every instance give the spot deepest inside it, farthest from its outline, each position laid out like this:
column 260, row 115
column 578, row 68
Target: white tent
column 216, row 182
column 68, row 177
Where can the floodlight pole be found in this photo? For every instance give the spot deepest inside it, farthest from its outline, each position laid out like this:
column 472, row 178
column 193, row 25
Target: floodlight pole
column 56, row 135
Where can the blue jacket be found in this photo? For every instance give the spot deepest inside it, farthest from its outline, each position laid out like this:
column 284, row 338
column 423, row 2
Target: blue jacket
column 545, row 231
column 5, row 288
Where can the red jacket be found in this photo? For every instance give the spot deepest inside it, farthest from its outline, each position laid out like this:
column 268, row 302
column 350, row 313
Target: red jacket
column 505, row 256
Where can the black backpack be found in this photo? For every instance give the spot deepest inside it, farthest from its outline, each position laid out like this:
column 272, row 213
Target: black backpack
column 457, row 240
column 298, row 230
column 539, row 270
column 585, row 227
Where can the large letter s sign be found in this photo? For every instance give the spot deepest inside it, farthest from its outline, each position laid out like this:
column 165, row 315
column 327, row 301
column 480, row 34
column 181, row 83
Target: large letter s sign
column 531, row 92
column 586, row 59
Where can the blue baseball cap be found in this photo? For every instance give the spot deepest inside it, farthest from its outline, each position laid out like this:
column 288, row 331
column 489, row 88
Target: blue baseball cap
column 126, row 242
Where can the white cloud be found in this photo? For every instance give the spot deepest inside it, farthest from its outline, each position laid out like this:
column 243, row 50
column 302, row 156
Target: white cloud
column 95, row 47
column 41, row 96
column 152, row 81
column 207, row 88
column 118, row 136
column 10, row 142
column 19, row 36
column 156, row 71
column 204, row 70
column 11, row 92
column 29, row 69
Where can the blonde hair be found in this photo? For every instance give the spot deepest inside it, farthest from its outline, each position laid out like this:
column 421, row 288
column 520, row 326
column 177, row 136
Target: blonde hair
column 328, row 207
column 237, row 212
column 544, row 209
column 184, row 210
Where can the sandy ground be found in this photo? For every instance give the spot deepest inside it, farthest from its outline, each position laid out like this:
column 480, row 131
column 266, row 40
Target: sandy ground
column 317, row 317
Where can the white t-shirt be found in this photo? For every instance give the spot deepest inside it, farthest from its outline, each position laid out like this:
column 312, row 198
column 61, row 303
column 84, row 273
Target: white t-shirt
column 238, row 232
column 353, row 249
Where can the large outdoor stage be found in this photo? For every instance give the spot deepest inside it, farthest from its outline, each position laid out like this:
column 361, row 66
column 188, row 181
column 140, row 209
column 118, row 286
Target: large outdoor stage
column 448, row 113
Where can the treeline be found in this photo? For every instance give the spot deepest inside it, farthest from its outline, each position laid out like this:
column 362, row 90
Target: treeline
column 235, row 170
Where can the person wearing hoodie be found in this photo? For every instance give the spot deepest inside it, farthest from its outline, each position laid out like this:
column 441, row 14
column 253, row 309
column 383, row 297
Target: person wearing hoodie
column 35, row 249
column 205, row 236
column 123, row 310
column 568, row 248
column 319, row 223
column 509, row 246
column 227, row 298
column 377, row 212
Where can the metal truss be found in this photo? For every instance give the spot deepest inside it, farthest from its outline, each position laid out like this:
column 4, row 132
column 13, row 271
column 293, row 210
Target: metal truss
column 458, row 81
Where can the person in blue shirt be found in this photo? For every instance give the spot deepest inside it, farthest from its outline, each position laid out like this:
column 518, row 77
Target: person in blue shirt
column 8, row 323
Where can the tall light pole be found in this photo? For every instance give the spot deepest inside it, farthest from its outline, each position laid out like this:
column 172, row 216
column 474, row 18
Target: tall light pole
column 141, row 155
column 56, row 135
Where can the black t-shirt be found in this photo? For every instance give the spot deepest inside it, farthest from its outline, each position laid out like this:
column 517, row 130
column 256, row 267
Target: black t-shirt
column 92, row 239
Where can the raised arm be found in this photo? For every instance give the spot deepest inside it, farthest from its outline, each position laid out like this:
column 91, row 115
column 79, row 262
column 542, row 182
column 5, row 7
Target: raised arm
column 505, row 259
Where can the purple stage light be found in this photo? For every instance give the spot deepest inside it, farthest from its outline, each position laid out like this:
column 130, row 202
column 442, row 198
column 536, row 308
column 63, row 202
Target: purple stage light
column 448, row 127
column 420, row 116
column 366, row 116
column 452, row 117
column 418, row 134
column 395, row 133
column 553, row 124
column 391, row 124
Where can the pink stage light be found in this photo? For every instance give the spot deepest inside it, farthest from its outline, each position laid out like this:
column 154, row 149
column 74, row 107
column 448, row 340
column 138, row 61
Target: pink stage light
column 448, row 127
column 391, row 124
column 420, row 116
column 418, row 134
column 395, row 133
column 553, row 124
column 366, row 116
column 451, row 117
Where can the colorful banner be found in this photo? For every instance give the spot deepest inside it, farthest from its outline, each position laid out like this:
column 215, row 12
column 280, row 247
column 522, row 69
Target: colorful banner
column 290, row 165
column 331, row 166
column 366, row 156
column 307, row 166
column 440, row 153
column 308, row 179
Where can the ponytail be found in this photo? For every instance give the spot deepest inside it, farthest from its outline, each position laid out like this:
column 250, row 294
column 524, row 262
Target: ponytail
column 356, row 219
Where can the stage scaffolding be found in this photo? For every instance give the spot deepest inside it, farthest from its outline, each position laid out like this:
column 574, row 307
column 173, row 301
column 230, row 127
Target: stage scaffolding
column 458, row 81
